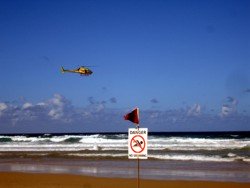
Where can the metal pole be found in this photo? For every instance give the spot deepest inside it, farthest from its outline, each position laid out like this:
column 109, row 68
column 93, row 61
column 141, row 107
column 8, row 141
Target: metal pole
column 138, row 173
column 138, row 168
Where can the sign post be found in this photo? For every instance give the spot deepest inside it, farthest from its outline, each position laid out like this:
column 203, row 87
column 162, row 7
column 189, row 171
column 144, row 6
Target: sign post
column 137, row 141
column 138, row 147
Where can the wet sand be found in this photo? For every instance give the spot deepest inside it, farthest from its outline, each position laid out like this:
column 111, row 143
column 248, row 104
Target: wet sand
column 36, row 180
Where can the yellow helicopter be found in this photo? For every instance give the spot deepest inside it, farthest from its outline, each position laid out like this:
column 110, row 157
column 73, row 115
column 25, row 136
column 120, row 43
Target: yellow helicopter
column 83, row 71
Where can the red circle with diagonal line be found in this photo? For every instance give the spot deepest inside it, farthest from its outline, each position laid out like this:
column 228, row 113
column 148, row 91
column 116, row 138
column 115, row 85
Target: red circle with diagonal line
column 137, row 144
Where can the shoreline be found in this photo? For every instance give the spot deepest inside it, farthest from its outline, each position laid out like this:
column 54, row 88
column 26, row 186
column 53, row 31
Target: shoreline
column 46, row 180
column 149, row 169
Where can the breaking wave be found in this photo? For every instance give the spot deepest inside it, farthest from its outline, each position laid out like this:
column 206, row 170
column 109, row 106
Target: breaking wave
column 160, row 147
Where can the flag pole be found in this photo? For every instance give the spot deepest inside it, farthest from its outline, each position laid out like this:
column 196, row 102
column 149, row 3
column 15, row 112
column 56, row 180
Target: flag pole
column 138, row 173
column 134, row 117
column 138, row 166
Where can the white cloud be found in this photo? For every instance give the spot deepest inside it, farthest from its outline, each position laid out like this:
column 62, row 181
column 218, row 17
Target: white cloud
column 99, row 107
column 3, row 107
column 58, row 114
column 229, row 108
column 57, row 100
column 195, row 110
column 41, row 104
column 27, row 105
column 58, row 106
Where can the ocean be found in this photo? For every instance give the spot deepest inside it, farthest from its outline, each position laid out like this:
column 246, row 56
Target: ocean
column 219, row 156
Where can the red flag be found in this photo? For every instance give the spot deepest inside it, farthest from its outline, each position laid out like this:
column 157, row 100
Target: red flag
column 133, row 116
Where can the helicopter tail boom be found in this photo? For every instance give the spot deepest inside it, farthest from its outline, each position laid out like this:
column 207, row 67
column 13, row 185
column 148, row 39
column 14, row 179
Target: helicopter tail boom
column 62, row 70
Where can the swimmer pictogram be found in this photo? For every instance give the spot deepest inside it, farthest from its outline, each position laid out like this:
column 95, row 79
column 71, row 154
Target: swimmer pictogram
column 137, row 144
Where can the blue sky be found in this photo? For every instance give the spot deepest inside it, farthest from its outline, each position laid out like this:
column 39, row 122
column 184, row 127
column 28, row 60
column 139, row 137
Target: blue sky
column 186, row 65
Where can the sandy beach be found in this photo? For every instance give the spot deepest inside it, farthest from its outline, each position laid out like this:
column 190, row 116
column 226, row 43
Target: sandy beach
column 35, row 180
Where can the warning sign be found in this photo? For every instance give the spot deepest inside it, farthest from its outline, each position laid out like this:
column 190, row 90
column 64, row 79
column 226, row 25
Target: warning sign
column 137, row 143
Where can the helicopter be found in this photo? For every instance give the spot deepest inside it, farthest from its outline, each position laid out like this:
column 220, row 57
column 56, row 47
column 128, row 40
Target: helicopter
column 83, row 71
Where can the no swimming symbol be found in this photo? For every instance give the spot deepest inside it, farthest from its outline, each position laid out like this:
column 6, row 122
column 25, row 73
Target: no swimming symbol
column 137, row 144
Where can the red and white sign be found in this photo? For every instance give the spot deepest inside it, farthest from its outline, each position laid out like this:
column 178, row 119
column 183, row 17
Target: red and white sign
column 138, row 143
